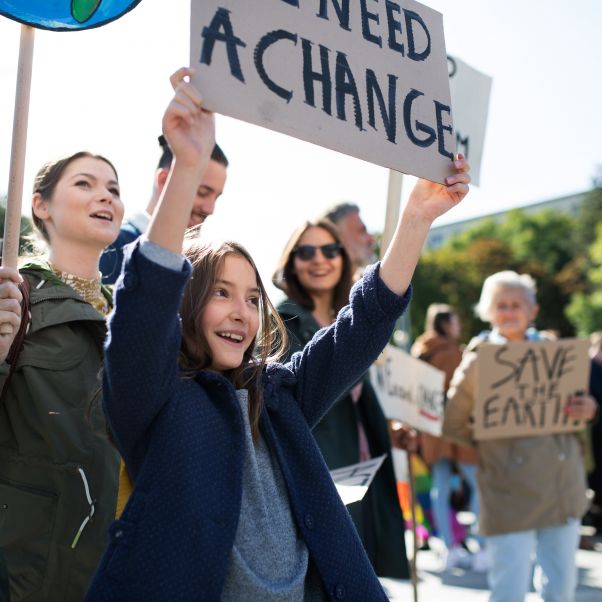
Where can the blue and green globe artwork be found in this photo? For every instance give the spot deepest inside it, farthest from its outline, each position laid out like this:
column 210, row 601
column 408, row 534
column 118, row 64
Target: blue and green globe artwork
column 65, row 15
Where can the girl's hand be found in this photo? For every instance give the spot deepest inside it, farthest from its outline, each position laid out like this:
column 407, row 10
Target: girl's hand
column 581, row 407
column 429, row 200
column 10, row 308
column 188, row 128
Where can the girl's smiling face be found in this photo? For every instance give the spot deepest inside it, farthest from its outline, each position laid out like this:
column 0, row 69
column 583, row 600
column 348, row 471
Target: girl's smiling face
column 512, row 313
column 231, row 317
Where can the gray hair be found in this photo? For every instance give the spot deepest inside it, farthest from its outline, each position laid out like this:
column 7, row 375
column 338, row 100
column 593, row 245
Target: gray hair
column 504, row 280
column 336, row 213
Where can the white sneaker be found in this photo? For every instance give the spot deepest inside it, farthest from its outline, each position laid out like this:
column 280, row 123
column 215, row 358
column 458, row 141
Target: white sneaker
column 455, row 557
column 480, row 561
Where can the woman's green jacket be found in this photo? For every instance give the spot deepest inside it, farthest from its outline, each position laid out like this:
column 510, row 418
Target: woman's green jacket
column 58, row 470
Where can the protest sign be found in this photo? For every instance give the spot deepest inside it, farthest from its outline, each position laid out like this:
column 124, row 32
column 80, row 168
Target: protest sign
column 365, row 78
column 409, row 390
column 470, row 91
column 352, row 482
column 523, row 387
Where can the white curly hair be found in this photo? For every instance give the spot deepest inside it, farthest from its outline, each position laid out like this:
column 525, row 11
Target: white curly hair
column 504, row 280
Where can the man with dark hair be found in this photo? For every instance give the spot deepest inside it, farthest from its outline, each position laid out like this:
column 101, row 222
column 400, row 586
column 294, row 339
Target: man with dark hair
column 356, row 239
column 209, row 190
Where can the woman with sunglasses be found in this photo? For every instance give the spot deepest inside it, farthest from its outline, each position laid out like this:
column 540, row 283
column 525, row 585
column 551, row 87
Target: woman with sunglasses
column 315, row 272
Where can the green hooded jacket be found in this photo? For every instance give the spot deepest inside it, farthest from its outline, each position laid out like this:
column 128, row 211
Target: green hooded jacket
column 58, row 470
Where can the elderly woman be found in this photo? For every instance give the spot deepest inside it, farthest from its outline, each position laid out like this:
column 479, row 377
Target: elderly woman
column 532, row 488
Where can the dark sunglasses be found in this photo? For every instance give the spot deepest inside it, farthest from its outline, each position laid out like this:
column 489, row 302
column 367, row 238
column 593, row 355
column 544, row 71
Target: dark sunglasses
column 308, row 252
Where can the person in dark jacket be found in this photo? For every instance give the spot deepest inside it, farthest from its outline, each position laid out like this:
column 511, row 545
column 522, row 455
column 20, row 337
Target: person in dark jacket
column 232, row 499
column 315, row 272
column 58, row 470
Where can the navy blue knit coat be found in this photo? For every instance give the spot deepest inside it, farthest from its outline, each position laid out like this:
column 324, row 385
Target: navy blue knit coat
column 182, row 441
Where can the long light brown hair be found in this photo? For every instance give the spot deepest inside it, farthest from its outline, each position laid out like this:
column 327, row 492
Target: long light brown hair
column 269, row 344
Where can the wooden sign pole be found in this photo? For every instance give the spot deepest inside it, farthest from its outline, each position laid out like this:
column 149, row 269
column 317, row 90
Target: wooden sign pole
column 12, row 220
column 412, row 492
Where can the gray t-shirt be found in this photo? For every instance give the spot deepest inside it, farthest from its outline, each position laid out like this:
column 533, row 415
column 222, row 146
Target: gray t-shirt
column 269, row 559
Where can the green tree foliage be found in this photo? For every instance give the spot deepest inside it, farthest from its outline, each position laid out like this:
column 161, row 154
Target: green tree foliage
column 588, row 216
column 541, row 244
column 585, row 308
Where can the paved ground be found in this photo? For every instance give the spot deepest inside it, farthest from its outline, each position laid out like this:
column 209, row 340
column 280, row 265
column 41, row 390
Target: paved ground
column 466, row 586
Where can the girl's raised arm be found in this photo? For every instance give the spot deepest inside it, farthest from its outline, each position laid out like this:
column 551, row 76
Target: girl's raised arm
column 427, row 202
column 190, row 132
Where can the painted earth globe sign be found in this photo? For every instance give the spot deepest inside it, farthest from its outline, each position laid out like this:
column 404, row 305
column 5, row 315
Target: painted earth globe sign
column 65, row 15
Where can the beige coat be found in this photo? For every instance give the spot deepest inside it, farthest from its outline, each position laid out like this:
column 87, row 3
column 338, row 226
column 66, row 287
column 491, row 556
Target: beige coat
column 526, row 482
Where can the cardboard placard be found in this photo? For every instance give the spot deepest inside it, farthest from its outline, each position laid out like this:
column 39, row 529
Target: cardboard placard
column 409, row 390
column 470, row 91
column 363, row 77
column 352, row 482
column 523, row 387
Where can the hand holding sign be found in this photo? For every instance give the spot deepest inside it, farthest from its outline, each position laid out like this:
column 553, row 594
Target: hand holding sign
column 190, row 132
column 188, row 128
column 10, row 308
column 430, row 200
column 403, row 437
column 581, row 407
column 427, row 201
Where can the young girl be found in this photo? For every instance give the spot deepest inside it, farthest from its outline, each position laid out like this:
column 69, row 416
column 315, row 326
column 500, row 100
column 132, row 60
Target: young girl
column 532, row 488
column 58, row 470
column 232, row 499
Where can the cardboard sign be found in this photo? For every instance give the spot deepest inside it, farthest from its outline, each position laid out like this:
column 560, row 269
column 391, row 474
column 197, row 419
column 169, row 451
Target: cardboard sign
column 409, row 390
column 363, row 77
column 352, row 482
column 470, row 91
column 523, row 387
